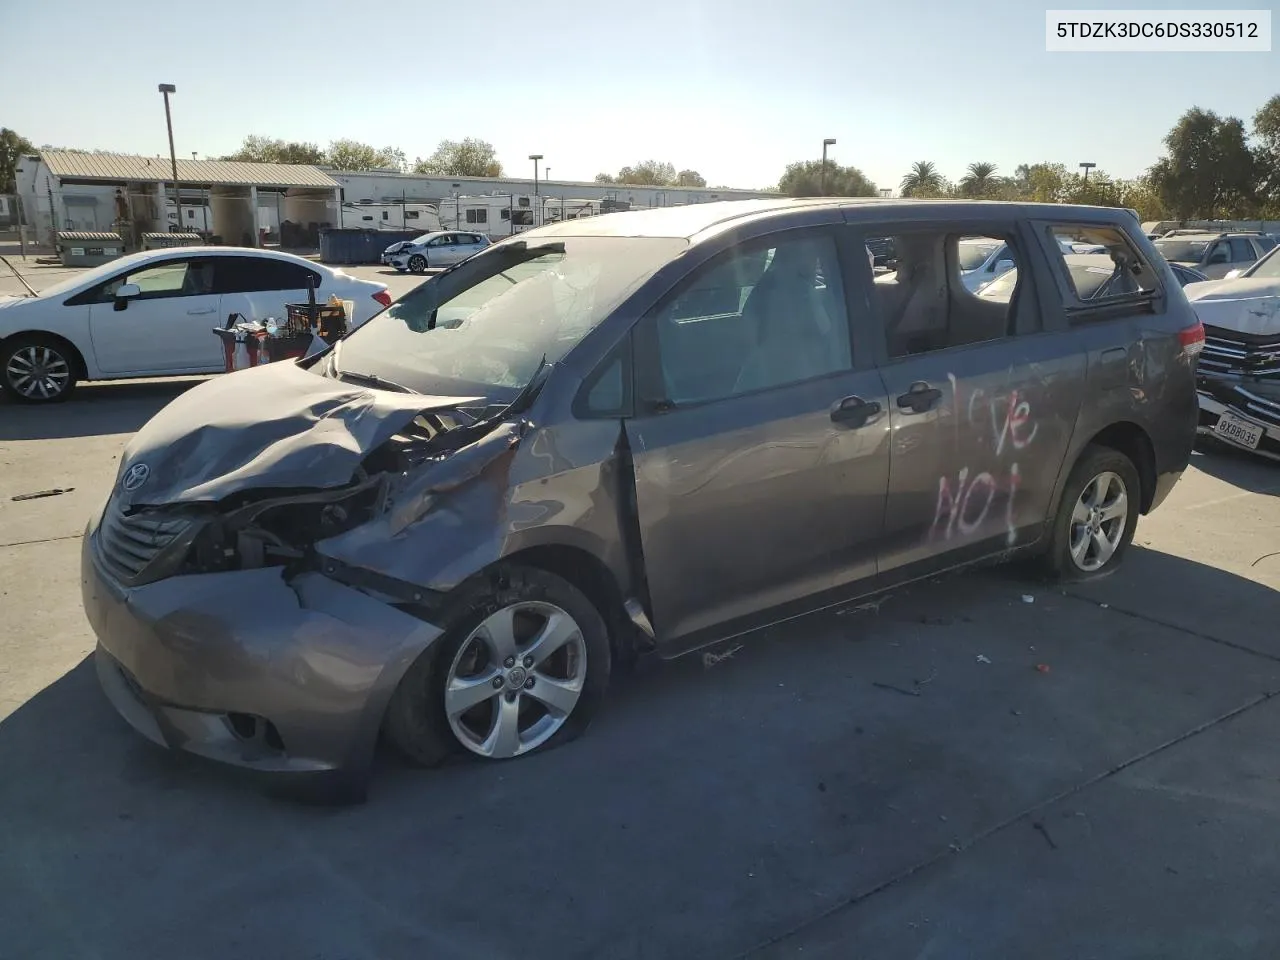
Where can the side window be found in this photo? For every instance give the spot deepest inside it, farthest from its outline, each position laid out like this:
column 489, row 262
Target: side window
column 174, row 278
column 950, row 289
column 1220, row 252
column 411, row 214
column 1265, row 243
column 441, row 241
column 1091, row 280
column 606, row 391
column 258, row 274
column 765, row 314
column 478, row 216
column 1242, row 250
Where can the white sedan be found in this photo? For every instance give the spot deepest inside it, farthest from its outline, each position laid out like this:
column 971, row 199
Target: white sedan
column 152, row 314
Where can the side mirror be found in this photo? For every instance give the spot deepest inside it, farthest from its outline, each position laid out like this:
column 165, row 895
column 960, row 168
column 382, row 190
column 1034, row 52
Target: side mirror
column 125, row 293
column 1004, row 265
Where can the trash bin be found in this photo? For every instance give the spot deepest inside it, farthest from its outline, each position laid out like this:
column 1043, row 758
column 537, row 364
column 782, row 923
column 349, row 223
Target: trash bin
column 165, row 241
column 88, row 248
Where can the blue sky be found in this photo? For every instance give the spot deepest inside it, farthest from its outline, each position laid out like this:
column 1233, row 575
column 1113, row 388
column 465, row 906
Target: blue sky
column 735, row 90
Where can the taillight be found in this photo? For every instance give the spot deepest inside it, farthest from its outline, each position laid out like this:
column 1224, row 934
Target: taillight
column 1192, row 339
column 384, row 298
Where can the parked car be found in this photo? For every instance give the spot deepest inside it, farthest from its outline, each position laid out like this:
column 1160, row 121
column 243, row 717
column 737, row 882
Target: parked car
column 983, row 259
column 152, row 314
column 643, row 431
column 1213, row 254
column 389, row 254
column 442, row 249
column 1238, row 376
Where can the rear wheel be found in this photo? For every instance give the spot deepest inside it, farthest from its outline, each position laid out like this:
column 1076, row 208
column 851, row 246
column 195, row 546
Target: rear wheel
column 417, row 263
column 1097, row 516
column 523, row 664
column 37, row 369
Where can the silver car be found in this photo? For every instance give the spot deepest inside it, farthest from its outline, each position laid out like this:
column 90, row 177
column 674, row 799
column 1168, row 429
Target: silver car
column 441, row 249
column 645, row 431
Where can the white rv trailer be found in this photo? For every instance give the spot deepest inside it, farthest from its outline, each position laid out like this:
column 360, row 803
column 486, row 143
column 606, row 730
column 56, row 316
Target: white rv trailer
column 503, row 214
column 390, row 215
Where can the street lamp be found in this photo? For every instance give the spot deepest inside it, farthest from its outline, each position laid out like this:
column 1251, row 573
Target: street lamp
column 823, row 176
column 166, row 89
column 535, row 157
column 1087, row 167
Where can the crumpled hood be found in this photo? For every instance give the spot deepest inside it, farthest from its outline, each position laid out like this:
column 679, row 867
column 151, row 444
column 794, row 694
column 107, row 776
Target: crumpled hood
column 274, row 426
column 1245, row 304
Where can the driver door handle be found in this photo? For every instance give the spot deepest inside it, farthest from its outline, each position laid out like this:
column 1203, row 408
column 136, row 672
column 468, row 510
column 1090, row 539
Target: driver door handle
column 920, row 398
column 854, row 411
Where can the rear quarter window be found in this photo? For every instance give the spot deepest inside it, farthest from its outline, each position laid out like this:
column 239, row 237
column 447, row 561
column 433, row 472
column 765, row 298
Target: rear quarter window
column 1100, row 283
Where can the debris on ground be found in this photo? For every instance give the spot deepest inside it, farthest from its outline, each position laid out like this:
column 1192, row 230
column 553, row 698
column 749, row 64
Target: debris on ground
column 1044, row 832
column 1042, row 667
column 710, row 659
column 42, row 493
column 983, row 658
column 929, row 679
column 1028, row 598
column 873, row 605
column 890, row 686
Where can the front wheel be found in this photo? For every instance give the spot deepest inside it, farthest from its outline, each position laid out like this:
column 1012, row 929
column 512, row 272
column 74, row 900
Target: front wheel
column 417, row 263
column 37, row 369
column 1096, row 517
column 522, row 665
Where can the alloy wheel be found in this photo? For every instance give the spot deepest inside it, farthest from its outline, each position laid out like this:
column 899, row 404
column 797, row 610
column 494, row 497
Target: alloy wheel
column 515, row 679
column 1098, row 521
column 38, row 372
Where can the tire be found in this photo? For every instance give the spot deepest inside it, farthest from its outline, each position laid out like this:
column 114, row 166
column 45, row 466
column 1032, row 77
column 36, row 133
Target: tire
column 417, row 263
column 1096, row 466
column 418, row 720
column 30, row 353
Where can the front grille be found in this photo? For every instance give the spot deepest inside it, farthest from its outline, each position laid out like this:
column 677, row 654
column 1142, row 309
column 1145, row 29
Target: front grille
column 1258, row 407
column 127, row 543
column 1230, row 354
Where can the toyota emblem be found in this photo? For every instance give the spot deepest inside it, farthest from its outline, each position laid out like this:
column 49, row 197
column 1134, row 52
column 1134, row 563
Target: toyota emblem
column 135, row 477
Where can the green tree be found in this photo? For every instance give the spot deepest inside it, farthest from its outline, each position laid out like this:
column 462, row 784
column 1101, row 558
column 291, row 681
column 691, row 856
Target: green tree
column 256, row 149
column 1266, row 156
column 1209, row 170
column 462, row 158
column 1039, row 182
column 690, row 178
column 923, row 180
column 980, row 180
column 805, row 179
column 13, row 148
column 605, row 178
column 354, row 155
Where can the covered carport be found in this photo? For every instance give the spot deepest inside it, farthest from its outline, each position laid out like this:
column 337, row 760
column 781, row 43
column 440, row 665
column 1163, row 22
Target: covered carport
column 238, row 203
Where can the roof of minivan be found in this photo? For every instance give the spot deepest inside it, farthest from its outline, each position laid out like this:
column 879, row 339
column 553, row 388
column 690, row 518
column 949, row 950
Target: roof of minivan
column 687, row 221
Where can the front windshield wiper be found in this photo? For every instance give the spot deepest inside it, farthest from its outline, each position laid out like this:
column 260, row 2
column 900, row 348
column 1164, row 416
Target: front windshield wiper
column 370, row 379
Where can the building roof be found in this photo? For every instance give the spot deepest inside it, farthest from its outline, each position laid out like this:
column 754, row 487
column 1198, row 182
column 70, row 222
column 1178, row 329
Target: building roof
column 68, row 164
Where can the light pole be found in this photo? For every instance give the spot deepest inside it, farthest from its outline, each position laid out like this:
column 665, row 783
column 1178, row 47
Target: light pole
column 1086, row 167
column 166, row 89
column 535, row 157
column 822, row 180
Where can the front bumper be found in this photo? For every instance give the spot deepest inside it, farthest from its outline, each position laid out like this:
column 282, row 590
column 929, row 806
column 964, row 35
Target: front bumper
column 1211, row 409
column 287, row 678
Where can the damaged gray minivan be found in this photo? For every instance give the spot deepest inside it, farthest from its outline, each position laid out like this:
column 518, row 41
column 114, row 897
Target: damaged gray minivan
column 640, row 431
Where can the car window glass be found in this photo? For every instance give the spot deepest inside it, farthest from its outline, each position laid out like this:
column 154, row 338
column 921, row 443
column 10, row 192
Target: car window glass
column 257, row 274
column 933, row 301
column 606, row 395
column 180, row 278
column 1096, row 279
column 1266, row 243
column 764, row 315
column 1241, row 250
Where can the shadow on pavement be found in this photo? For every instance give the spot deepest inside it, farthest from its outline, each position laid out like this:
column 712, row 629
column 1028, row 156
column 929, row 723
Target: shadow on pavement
column 713, row 805
column 1238, row 467
column 94, row 409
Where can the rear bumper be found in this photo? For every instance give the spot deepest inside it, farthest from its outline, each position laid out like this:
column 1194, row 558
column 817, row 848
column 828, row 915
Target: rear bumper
column 283, row 678
column 1211, row 409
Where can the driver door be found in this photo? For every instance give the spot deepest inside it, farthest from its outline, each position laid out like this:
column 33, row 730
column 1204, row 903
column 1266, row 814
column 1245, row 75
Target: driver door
column 167, row 328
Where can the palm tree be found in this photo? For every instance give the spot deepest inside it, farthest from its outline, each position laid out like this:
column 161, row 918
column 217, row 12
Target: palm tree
column 924, row 179
column 980, row 179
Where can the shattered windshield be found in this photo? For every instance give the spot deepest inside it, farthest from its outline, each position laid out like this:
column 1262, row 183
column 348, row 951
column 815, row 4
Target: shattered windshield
column 493, row 333
column 1185, row 251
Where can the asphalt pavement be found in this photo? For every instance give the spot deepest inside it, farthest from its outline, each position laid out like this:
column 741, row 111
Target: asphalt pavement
column 981, row 766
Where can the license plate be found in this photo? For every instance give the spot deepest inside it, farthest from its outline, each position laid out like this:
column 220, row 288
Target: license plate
column 1238, row 431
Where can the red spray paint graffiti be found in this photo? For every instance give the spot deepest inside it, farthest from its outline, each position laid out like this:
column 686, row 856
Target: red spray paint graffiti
column 965, row 502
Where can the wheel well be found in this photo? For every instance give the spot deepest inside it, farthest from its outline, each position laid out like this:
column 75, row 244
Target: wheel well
column 592, row 577
column 1131, row 440
column 76, row 358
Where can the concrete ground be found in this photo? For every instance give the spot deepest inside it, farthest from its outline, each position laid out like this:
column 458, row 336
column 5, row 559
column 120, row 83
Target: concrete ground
column 900, row 781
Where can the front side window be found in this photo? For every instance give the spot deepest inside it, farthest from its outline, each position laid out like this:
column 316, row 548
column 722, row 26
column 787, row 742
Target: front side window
column 489, row 334
column 1182, row 251
column 766, row 314
column 1242, row 250
column 174, row 278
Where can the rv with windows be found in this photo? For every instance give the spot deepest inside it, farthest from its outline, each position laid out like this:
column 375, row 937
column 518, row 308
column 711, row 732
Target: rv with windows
column 504, row 214
column 390, row 215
